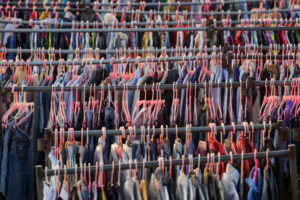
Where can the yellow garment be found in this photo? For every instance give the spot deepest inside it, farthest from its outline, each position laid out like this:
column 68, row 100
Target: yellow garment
column 145, row 42
column 103, row 195
column 205, row 176
column 20, row 73
column 274, row 71
column 44, row 15
column 143, row 190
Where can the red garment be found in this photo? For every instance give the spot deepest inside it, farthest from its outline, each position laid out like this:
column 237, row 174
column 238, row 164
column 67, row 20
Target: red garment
column 238, row 38
column 282, row 37
column 244, row 145
column 216, row 147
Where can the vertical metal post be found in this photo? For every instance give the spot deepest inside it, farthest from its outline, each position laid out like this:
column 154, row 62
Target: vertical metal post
column 39, row 181
column 293, row 171
column 281, row 135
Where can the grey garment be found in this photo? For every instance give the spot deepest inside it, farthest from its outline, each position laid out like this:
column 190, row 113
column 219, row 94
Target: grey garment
column 182, row 100
column 182, row 187
column 128, row 188
column 166, row 193
column 156, row 179
column 281, row 78
column 81, row 151
column 48, row 192
column 153, row 194
column 270, row 190
column 229, row 182
column 256, row 108
column 205, row 191
column 191, row 190
column 196, row 179
column 72, row 152
column 95, row 191
column 114, row 157
column 177, row 152
column 219, row 188
column 136, row 191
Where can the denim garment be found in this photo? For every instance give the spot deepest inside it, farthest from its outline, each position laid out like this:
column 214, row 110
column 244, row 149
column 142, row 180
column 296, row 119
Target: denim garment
column 44, row 105
column 234, row 93
column 109, row 124
column 130, row 93
column 229, row 182
column 20, row 174
column 11, row 44
column 255, row 189
column 7, row 140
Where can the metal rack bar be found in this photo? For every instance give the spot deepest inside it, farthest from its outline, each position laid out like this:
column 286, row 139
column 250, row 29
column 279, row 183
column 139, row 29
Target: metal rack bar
column 135, row 4
column 150, row 50
column 169, row 23
column 65, row 30
column 151, row 164
column 134, row 60
column 198, row 130
column 48, row 9
column 150, row 87
column 212, row 13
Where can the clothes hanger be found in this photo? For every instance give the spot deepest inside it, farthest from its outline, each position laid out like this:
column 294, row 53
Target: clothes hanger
column 218, row 109
column 14, row 105
column 186, row 103
column 232, row 144
column 191, row 165
column 265, row 100
column 96, row 176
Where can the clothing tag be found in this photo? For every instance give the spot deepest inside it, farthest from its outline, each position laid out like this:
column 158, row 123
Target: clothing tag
column 64, row 194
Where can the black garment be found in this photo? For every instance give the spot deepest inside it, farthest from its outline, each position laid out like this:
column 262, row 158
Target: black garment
column 212, row 188
column 270, row 190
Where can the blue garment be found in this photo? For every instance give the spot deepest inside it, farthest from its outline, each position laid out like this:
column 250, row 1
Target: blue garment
column 217, row 78
column 234, row 93
column 11, row 44
column 20, row 174
column 287, row 119
column 109, row 124
column 244, row 7
column 167, row 40
column 255, row 189
column 130, row 93
column 44, row 106
column 6, row 146
column 241, row 73
column 225, row 97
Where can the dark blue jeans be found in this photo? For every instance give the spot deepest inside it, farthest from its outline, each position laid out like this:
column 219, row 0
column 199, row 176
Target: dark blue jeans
column 20, row 182
column 6, row 147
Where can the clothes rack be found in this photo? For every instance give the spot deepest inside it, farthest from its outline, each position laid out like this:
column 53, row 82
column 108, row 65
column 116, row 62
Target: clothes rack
column 132, row 4
column 156, row 24
column 249, row 83
column 70, row 86
column 214, row 13
column 290, row 153
column 141, row 60
column 150, row 50
column 64, row 30
column 168, row 130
